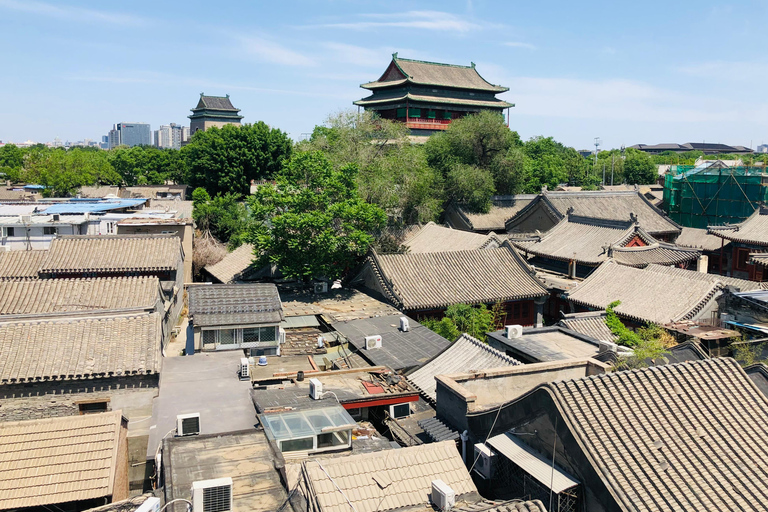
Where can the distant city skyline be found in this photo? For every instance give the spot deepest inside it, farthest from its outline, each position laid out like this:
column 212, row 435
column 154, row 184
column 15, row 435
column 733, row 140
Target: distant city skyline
column 575, row 71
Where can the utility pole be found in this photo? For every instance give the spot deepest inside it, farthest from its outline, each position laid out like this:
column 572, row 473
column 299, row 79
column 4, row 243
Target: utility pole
column 597, row 143
column 612, row 170
column 603, row 173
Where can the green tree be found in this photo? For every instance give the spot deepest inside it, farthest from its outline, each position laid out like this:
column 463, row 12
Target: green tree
column 479, row 141
column 226, row 159
column 312, row 222
column 224, row 216
column 63, row 172
column 648, row 343
column 463, row 318
column 11, row 156
column 639, row 168
column 393, row 172
column 549, row 163
column 470, row 185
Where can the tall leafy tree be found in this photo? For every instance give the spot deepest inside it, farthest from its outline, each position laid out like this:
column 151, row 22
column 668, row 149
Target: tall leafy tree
column 227, row 159
column 639, row 168
column 312, row 222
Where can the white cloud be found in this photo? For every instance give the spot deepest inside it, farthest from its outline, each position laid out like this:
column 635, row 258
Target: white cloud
column 519, row 44
column 270, row 51
column 426, row 20
column 72, row 13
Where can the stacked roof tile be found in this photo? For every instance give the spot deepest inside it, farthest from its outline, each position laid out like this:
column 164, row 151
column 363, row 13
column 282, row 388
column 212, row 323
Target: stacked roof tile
column 659, row 253
column 688, row 437
column 41, row 296
column 465, row 354
column 502, row 506
column 437, row 280
column 753, row 231
column 645, row 295
column 434, row 238
column 433, row 73
column 698, row 239
column 58, row 460
column 76, row 349
column 106, row 254
column 740, row 284
column 759, row 258
column 390, row 480
column 16, row 265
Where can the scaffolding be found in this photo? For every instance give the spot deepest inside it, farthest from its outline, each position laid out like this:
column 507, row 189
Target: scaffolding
column 713, row 193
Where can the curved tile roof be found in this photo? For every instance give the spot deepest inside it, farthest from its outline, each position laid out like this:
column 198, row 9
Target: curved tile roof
column 465, row 354
column 439, row 279
column 687, row 437
column 753, row 231
column 503, row 208
column 434, row 238
column 645, row 295
column 15, row 265
column 432, row 73
column 113, row 253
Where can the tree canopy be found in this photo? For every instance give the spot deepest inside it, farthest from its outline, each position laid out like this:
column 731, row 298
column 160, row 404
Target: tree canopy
column 312, row 221
column 226, row 159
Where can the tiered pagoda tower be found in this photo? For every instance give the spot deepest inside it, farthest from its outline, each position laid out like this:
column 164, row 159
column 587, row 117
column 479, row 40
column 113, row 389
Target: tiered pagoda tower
column 427, row 96
column 213, row 111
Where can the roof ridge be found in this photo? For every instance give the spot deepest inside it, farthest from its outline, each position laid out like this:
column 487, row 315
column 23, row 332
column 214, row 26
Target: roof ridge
column 396, row 58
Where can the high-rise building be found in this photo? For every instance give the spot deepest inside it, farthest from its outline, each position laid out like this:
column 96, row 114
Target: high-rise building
column 169, row 136
column 213, row 111
column 130, row 134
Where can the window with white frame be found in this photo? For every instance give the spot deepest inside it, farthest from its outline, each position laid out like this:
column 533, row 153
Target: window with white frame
column 235, row 338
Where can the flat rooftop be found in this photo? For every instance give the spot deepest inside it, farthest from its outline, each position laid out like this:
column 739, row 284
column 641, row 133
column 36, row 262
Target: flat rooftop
column 207, row 383
column 335, row 306
column 542, row 344
column 246, row 457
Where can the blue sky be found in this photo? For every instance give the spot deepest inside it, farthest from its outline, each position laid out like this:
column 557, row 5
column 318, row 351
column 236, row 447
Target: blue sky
column 674, row 71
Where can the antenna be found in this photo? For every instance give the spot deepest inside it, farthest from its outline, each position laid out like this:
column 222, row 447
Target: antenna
column 597, row 144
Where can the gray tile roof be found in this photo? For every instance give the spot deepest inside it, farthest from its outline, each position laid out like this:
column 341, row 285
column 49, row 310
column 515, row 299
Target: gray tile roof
column 216, row 103
column 235, row 265
column 41, row 296
column 437, row 430
column 15, row 265
column 79, row 349
column 688, row 437
column 545, row 344
column 759, row 258
column 601, row 204
column 591, row 323
column 437, row 280
column 645, row 295
column 741, row 284
column 399, row 350
column 234, row 304
column 465, row 354
column 753, row 231
column 113, row 253
column 502, row 209
column 433, row 73
column 502, row 506
column 590, row 241
column 698, row 239
column 434, row 238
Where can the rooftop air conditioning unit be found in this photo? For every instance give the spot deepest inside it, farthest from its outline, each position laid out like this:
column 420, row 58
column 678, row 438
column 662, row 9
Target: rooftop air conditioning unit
column 372, row 342
column 321, row 287
column 151, row 504
column 245, row 369
column 484, row 464
column 513, row 331
column 315, row 389
column 188, row 424
column 26, row 219
column 212, row 495
column 405, row 324
column 443, row 497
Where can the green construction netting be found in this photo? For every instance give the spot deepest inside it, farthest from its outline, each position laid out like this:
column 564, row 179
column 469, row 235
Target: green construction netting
column 709, row 195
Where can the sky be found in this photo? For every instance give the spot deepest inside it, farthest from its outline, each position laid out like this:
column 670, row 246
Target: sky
column 627, row 72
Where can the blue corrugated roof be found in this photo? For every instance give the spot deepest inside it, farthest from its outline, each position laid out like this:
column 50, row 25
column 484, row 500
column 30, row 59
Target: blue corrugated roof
column 76, row 207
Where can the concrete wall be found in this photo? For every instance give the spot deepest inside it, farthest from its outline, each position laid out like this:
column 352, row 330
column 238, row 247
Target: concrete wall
column 32, row 237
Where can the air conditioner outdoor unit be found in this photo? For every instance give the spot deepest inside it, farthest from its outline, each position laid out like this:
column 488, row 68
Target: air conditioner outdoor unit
column 315, row 389
column 513, row 331
column 188, row 424
column 245, row 369
column 151, row 504
column 212, row 495
column 321, row 287
column 484, row 464
column 443, row 497
column 372, row 342
column 26, row 219
column 405, row 324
